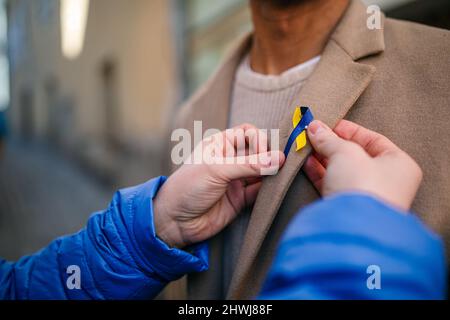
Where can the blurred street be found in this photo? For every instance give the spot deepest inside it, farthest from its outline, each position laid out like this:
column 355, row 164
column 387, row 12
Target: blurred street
column 42, row 196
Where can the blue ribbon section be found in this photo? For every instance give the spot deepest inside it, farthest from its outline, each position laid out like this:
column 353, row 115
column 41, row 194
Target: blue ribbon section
column 307, row 118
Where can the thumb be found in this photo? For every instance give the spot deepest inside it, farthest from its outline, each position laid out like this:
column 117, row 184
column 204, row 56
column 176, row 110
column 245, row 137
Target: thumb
column 252, row 166
column 324, row 140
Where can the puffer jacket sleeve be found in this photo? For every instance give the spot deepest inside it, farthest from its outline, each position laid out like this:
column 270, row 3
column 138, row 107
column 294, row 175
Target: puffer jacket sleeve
column 117, row 256
column 353, row 246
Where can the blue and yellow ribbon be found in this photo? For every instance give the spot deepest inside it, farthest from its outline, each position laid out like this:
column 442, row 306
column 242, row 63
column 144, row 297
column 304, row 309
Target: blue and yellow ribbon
column 300, row 121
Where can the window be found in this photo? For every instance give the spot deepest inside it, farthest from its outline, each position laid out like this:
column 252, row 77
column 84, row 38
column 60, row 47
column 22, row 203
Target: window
column 4, row 64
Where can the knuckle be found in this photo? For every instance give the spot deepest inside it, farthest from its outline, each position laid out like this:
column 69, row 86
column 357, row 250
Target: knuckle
column 248, row 125
column 418, row 170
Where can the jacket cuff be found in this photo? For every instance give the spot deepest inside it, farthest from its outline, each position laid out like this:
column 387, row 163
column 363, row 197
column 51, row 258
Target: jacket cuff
column 364, row 215
column 168, row 263
column 368, row 221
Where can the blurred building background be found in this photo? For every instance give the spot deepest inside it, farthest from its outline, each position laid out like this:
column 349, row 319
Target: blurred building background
column 88, row 89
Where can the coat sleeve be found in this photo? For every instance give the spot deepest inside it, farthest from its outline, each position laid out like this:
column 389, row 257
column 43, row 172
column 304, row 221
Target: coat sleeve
column 117, row 256
column 353, row 246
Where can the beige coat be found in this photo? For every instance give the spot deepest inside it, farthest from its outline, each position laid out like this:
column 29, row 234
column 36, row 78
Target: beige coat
column 395, row 81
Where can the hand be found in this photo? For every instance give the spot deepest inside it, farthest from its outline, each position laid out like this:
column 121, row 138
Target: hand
column 203, row 197
column 353, row 158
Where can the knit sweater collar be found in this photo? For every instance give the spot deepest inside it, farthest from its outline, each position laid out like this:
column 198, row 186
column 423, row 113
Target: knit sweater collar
column 246, row 77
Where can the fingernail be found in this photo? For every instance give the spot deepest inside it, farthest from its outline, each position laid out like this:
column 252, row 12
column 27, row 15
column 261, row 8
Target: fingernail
column 316, row 127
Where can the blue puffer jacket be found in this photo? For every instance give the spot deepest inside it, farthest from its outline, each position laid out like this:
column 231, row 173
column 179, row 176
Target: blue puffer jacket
column 325, row 254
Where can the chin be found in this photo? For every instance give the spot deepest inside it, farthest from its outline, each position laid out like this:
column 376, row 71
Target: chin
column 284, row 3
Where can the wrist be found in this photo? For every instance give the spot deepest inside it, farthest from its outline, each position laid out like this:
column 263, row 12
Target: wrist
column 149, row 252
column 166, row 227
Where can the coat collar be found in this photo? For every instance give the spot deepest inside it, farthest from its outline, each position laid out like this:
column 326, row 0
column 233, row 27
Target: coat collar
column 353, row 35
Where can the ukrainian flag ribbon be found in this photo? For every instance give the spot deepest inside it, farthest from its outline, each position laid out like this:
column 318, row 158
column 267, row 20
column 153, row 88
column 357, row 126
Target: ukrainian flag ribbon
column 301, row 119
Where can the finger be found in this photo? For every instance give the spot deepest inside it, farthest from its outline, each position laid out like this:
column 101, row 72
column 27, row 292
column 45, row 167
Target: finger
column 251, row 193
column 315, row 172
column 372, row 142
column 256, row 140
column 323, row 161
column 220, row 144
column 235, row 141
column 245, row 139
column 255, row 165
column 253, row 180
column 325, row 142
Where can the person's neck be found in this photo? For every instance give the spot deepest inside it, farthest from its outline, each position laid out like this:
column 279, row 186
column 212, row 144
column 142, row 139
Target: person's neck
column 286, row 37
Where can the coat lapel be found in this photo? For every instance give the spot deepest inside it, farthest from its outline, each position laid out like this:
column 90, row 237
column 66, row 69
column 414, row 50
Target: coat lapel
column 333, row 88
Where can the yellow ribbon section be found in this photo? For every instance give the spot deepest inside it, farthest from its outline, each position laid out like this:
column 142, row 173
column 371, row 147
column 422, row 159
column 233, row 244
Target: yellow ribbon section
column 301, row 139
